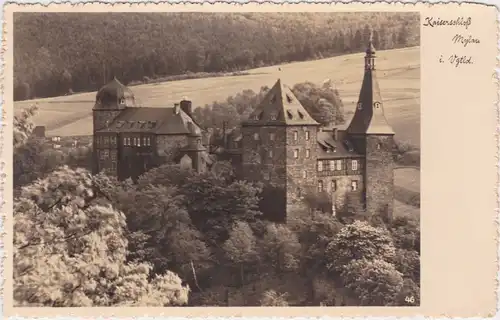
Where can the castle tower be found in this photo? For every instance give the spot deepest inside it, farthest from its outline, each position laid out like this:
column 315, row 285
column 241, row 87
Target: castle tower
column 279, row 149
column 373, row 136
column 110, row 101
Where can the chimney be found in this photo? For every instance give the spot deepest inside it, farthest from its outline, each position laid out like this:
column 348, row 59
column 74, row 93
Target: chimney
column 176, row 108
column 335, row 134
column 187, row 106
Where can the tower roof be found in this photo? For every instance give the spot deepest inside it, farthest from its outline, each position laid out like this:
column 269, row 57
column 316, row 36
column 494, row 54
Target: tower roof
column 369, row 117
column 114, row 95
column 280, row 107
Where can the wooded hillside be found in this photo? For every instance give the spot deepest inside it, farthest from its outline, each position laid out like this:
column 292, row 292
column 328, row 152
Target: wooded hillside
column 58, row 53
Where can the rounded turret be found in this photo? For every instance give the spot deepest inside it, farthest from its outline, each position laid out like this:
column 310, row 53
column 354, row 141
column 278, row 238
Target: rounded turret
column 114, row 96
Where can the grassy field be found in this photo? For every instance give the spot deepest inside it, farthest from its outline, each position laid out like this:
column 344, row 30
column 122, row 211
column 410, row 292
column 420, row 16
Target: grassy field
column 398, row 73
column 408, row 178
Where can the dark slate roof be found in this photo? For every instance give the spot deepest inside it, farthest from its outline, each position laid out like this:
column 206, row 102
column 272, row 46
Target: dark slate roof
column 369, row 116
column 114, row 95
column 329, row 148
column 153, row 120
column 280, row 107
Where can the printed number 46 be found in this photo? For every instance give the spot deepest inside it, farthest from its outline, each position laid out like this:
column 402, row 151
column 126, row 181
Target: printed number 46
column 410, row 299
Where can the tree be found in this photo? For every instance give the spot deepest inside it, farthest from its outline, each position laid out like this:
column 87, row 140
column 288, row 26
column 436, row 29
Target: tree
column 240, row 249
column 214, row 205
column 271, row 298
column 374, row 282
column 356, row 241
column 408, row 263
column 280, row 248
column 406, row 233
column 33, row 158
column 322, row 103
column 162, row 230
column 70, row 249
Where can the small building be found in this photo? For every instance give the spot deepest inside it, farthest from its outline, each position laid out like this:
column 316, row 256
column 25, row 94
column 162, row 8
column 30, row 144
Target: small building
column 39, row 132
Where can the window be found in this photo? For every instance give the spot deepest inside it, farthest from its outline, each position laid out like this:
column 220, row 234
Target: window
column 308, row 153
column 113, row 155
column 320, row 165
column 295, row 135
column 333, row 185
column 122, row 101
column 332, row 165
column 113, row 165
column 104, row 154
column 128, row 141
column 299, row 192
column 272, row 136
column 139, row 141
column 379, row 146
column 134, row 141
column 106, row 141
column 301, row 115
column 354, row 164
column 296, row 153
column 354, row 185
column 307, row 135
column 256, row 136
column 270, row 154
column 304, row 174
column 339, row 165
column 113, row 140
column 148, row 140
column 320, row 186
column 360, row 106
column 266, row 175
column 273, row 116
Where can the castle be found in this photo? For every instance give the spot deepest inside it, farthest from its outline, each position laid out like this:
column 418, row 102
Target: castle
column 280, row 144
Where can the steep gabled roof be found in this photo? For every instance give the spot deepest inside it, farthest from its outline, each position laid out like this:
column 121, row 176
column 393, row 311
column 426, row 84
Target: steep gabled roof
column 280, row 107
column 153, row 120
column 369, row 117
column 330, row 148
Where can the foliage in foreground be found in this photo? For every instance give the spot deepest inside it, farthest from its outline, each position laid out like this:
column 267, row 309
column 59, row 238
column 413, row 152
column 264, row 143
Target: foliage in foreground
column 70, row 249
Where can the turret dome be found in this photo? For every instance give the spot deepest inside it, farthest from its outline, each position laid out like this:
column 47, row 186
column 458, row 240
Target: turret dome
column 114, row 96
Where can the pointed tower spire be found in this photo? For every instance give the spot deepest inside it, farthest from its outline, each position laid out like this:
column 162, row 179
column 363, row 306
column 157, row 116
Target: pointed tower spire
column 369, row 117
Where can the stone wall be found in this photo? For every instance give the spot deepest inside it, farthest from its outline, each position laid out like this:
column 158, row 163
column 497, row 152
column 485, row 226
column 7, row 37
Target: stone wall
column 167, row 146
column 301, row 171
column 379, row 175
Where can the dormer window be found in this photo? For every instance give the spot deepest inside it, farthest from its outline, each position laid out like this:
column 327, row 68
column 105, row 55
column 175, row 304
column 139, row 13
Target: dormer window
column 289, row 99
column 289, row 114
column 273, row 98
column 360, row 106
column 301, row 115
column 122, row 101
column 273, row 116
column 377, row 105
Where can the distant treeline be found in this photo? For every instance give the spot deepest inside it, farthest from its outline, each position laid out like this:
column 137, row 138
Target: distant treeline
column 61, row 53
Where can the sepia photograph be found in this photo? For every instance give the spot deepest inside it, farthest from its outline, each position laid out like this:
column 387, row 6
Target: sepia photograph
column 220, row 159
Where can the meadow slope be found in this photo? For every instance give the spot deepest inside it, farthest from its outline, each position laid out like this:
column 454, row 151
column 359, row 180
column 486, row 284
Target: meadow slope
column 398, row 72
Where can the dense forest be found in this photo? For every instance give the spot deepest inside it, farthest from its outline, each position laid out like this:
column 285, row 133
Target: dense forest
column 61, row 53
